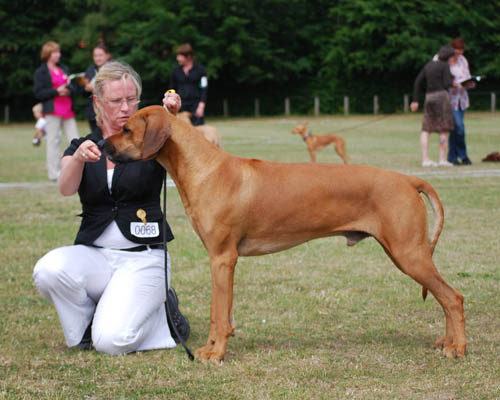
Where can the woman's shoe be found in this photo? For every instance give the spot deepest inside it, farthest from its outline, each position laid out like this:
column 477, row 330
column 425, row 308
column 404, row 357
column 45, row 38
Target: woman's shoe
column 86, row 342
column 444, row 163
column 176, row 318
column 429, row 163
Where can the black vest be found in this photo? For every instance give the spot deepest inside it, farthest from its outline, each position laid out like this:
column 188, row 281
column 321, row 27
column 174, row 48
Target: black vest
column 135, row 185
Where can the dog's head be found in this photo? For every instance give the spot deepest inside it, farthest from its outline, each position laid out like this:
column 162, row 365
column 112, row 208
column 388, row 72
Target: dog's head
column 141, row 138
column 300, row 129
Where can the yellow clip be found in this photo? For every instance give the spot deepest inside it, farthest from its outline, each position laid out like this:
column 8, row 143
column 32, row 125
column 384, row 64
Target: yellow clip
column 141, row 214
column 170, row 91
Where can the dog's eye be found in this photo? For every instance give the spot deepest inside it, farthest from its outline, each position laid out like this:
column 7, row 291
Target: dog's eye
column 125, row 130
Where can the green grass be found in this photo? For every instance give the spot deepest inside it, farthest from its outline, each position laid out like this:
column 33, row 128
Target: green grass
column 319, row 321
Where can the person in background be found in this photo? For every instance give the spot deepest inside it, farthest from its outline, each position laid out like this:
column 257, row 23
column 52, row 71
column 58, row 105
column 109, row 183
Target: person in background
column 457, row 152
column 189, row 79
column 39, row 126
column 437, row 109
column 52, row 88
column 101, row 55
column 109, row 286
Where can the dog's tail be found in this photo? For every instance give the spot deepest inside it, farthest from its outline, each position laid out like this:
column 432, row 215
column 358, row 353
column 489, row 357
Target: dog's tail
column 437, row 207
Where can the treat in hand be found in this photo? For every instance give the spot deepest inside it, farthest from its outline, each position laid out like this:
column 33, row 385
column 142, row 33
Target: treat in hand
column 171, row 101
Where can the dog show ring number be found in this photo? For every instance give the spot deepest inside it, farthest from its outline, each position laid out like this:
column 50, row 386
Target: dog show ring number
column 141, row 230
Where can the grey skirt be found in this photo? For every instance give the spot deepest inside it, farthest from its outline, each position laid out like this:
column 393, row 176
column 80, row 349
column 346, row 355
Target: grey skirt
column 437, row 112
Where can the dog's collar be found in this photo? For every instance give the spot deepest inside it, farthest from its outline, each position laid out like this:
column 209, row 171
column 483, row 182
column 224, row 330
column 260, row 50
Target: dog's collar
column 306, row 136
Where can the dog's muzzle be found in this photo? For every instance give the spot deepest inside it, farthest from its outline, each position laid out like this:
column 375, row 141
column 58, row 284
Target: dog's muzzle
column 109, row 150
column 106, row 147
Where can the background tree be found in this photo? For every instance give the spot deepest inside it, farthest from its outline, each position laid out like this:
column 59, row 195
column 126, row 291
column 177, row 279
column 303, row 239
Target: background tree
column 268, row 49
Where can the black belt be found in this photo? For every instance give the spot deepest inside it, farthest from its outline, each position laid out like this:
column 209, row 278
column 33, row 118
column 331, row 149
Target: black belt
column 137, row 248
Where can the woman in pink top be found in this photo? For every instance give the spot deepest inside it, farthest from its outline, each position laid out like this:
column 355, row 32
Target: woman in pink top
column 52, row 88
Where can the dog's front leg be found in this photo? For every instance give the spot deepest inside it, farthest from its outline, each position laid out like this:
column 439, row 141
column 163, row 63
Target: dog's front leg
column 221, row 304
column 312, row 154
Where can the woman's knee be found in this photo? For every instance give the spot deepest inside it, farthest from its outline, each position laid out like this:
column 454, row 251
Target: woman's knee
column 458, row 121
column 47, row 272
column 114, row 341
column 50, row 270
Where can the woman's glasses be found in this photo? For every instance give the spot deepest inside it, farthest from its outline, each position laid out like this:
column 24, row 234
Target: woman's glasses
column 117, row 103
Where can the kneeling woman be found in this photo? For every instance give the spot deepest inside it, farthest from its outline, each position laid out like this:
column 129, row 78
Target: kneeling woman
column 109, row 287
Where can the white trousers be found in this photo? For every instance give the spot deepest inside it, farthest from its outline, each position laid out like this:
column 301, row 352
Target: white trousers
column 123, row 292
column 53, row 128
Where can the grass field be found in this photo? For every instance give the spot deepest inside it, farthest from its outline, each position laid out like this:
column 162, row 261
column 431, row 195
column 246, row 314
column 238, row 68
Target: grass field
column 320, row 321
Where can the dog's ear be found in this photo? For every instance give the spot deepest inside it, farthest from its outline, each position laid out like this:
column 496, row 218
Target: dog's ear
column 156, row 133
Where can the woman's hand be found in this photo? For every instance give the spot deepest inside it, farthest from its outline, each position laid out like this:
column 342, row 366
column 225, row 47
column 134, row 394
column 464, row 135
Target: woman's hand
column 72, row 167
column 414, row 106
column 63, row 91
column 200, row 110
column 87, row 152
column 172, row 102
column 89, row 86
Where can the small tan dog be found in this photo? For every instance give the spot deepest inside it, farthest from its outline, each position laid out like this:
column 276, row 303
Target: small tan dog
column 318, row 142
column 210, row 132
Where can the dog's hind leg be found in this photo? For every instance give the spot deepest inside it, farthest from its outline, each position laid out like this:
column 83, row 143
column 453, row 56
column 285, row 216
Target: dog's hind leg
column 339, row 146
column 418, row 264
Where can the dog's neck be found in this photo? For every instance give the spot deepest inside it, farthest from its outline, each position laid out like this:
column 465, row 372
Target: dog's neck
column 189, row 159
column 307, row 135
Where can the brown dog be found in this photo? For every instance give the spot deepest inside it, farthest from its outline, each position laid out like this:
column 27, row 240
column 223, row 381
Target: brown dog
column 318, row 142
column 495, row 156
column 257, row 207
column 210, row 132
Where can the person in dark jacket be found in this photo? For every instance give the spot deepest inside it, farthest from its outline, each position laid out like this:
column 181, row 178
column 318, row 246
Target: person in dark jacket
column 109, row 286
column 100, row 55
column 437, row 110
column 54, row 90
column 189, row 79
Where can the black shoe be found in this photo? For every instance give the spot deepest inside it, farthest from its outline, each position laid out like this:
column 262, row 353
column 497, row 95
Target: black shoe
column 466, row 161
column 456, row 162
column 179, row 320
column 86, row 342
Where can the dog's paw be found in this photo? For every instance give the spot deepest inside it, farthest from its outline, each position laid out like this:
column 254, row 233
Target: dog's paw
column 455, row 351
column 450, row 349
column 206, row 353
column 440, row 344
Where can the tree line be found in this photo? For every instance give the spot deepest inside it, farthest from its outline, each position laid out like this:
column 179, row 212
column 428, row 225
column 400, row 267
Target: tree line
column 264, row 49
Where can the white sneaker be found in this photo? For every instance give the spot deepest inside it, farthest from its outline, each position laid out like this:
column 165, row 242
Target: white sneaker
column 445, row 163
column 429, row 163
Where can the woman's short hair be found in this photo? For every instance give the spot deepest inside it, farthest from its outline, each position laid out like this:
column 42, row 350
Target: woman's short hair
column 446, row 52
column 458, row 43
column 114, row 71
column 47, row 49
column 102, row 47
column 185, row 49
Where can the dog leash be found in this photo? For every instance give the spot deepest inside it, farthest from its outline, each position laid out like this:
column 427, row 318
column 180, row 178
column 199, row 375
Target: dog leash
column 371, row 121
column 164, row 226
